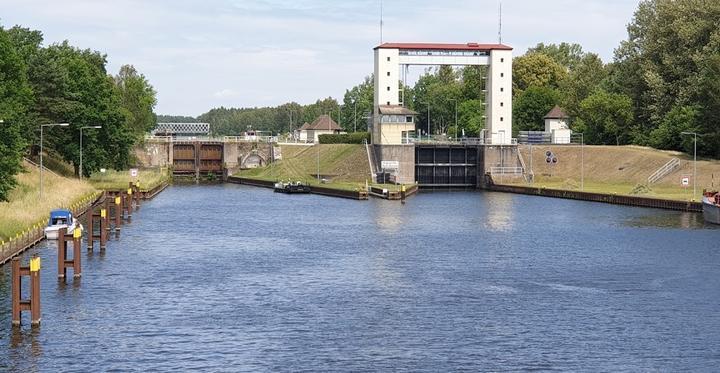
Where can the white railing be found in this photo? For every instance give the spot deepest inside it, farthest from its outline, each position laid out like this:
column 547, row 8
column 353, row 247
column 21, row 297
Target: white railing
column 518, row 171
column 665, row 170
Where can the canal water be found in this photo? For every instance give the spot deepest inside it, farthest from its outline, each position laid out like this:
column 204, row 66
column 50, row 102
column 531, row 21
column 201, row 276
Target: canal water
column 235, row 278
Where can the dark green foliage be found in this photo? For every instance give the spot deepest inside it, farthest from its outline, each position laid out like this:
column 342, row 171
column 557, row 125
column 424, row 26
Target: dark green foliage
column 345, row 138
column 15, row 97
column 531, row 106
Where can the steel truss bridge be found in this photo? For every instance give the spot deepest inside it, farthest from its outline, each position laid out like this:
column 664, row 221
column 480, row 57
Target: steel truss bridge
column 182, row 129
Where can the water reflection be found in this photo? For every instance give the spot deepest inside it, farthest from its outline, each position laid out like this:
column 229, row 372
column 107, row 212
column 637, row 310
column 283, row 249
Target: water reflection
column 25, row 348
column 499, row 212
column 667, row 219
column 388, row 215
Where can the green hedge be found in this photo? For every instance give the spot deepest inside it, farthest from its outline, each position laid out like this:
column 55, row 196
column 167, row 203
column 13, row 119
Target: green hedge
column 345, row 138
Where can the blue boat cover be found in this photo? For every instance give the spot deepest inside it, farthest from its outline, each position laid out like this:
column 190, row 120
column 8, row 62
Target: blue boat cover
column 60, row 214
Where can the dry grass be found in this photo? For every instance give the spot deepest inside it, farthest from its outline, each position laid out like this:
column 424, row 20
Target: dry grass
column 25, row 210
column 619, row 169
column 118, row 180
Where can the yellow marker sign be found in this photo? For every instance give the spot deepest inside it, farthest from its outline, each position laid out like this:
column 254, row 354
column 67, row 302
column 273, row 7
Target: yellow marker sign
column 402, row 188
column 117, row 200
column 35, row 264
column 77, row 233
column 137, row 184
column 103, row 213
column 129, row 191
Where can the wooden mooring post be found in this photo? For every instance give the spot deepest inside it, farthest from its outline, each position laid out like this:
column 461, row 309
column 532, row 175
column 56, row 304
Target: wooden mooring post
column 118, row 213
column 97, row 219
column 127, row 204
column 63, row 262
column 32, row 304
column 136, row 194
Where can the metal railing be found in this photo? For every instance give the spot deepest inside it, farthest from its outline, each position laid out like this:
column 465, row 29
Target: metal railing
column 665, row 170
column 517, row 171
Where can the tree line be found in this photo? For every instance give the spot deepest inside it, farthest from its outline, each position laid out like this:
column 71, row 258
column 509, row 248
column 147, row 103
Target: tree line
column 61, row 83
column 664, row 81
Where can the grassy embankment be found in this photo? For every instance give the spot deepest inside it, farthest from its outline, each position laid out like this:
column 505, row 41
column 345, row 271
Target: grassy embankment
column 621, row 170
column 344, row 165
column 25, row 210
column 118, row 180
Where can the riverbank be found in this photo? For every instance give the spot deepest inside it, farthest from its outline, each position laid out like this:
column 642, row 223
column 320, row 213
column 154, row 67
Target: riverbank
column 26, row 210
column 350, row 191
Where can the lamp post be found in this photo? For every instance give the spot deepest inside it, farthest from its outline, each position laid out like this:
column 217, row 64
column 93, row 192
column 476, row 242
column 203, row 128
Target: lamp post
column 454, row 100
column 695, row 136
column 41, row 150
column 355, row 117
column 81, row 147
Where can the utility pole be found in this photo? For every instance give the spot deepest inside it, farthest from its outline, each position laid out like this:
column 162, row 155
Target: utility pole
column 695, row 136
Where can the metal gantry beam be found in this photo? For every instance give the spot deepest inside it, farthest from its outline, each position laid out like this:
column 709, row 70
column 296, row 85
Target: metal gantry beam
column 182, row 129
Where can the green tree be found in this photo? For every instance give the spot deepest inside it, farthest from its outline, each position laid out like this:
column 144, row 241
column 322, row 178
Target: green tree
column 668, row 134
column 471, row 118
column 531, row 106
column 538, row 70
column 72, row 85
column 15, row 98
column 605, row 118
column 138, row 100
column 358, row 105
column 568, row 55
column 587, row 76
column 661, row 65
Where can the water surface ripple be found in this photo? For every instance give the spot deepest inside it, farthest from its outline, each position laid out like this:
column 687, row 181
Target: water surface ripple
column 234, row 278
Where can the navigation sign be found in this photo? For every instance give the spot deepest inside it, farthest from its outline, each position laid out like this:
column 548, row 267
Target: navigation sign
column 685, row 181
column 550, row 157
column 133, row 172
column 390, row 165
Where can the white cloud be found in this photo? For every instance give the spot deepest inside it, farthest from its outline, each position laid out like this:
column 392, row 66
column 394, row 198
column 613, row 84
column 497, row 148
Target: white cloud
column 225, row 93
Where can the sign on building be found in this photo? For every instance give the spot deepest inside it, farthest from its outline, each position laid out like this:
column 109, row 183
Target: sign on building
column 390, row 165
column 133, row 172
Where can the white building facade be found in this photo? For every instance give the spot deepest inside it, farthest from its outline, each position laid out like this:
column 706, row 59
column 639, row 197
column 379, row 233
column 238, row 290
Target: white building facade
column 390, row 57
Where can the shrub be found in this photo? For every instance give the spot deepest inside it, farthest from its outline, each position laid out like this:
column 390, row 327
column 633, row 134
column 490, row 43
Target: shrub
column 345, row 138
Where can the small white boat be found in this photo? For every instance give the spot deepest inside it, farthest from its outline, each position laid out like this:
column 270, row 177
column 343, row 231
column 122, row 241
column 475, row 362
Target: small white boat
column 61, row 219
column 711, row 207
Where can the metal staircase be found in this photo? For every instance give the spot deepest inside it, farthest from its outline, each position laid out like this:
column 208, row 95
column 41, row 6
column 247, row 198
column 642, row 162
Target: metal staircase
column 665, row 170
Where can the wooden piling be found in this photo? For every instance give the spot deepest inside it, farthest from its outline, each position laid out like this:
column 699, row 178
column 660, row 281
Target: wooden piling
column 63, row 262
column 32, row 304
column 118, row 213
column 104, row 227
column 403, row 194
column 128, row 204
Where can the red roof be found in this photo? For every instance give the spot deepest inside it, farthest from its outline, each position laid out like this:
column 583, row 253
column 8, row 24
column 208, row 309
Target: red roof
column 438, row 46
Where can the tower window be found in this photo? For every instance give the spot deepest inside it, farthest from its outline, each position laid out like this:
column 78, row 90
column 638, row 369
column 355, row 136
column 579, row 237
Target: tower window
column 502, row 89
column 502, row 75
column 388, row 102
column 388, row 73
column 501, row 60
column 388, row 88
column 388, row 59
column 501, row 119
column 502, row 104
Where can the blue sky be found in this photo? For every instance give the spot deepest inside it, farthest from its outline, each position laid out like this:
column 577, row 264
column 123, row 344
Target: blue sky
column 204, row 54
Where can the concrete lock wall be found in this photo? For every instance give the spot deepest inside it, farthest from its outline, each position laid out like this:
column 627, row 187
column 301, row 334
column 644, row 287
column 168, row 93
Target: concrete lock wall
column 404, row 155
column 154, row 154
column 501, row 156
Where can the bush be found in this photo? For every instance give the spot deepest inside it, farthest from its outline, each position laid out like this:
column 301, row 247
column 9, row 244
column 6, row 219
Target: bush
column 345, row 138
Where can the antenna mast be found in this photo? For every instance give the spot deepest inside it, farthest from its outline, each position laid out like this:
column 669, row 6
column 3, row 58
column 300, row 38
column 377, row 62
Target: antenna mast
column 381, row 21
column 500, row 23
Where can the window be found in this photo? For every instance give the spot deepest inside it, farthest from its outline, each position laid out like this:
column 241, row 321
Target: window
column 501, row 75
column 502, row 89
column 388, row 73
column 501, row 119
column 501, row 60
column 388, row 102
column 388, row 88
column 388, row 59
column 502, row 104
column 408, row 119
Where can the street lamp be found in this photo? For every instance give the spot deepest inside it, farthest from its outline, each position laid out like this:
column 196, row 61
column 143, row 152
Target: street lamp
column 81, row 147
column 695, row 136
column 41, row 150
column 456, row 119
column 582, row 162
